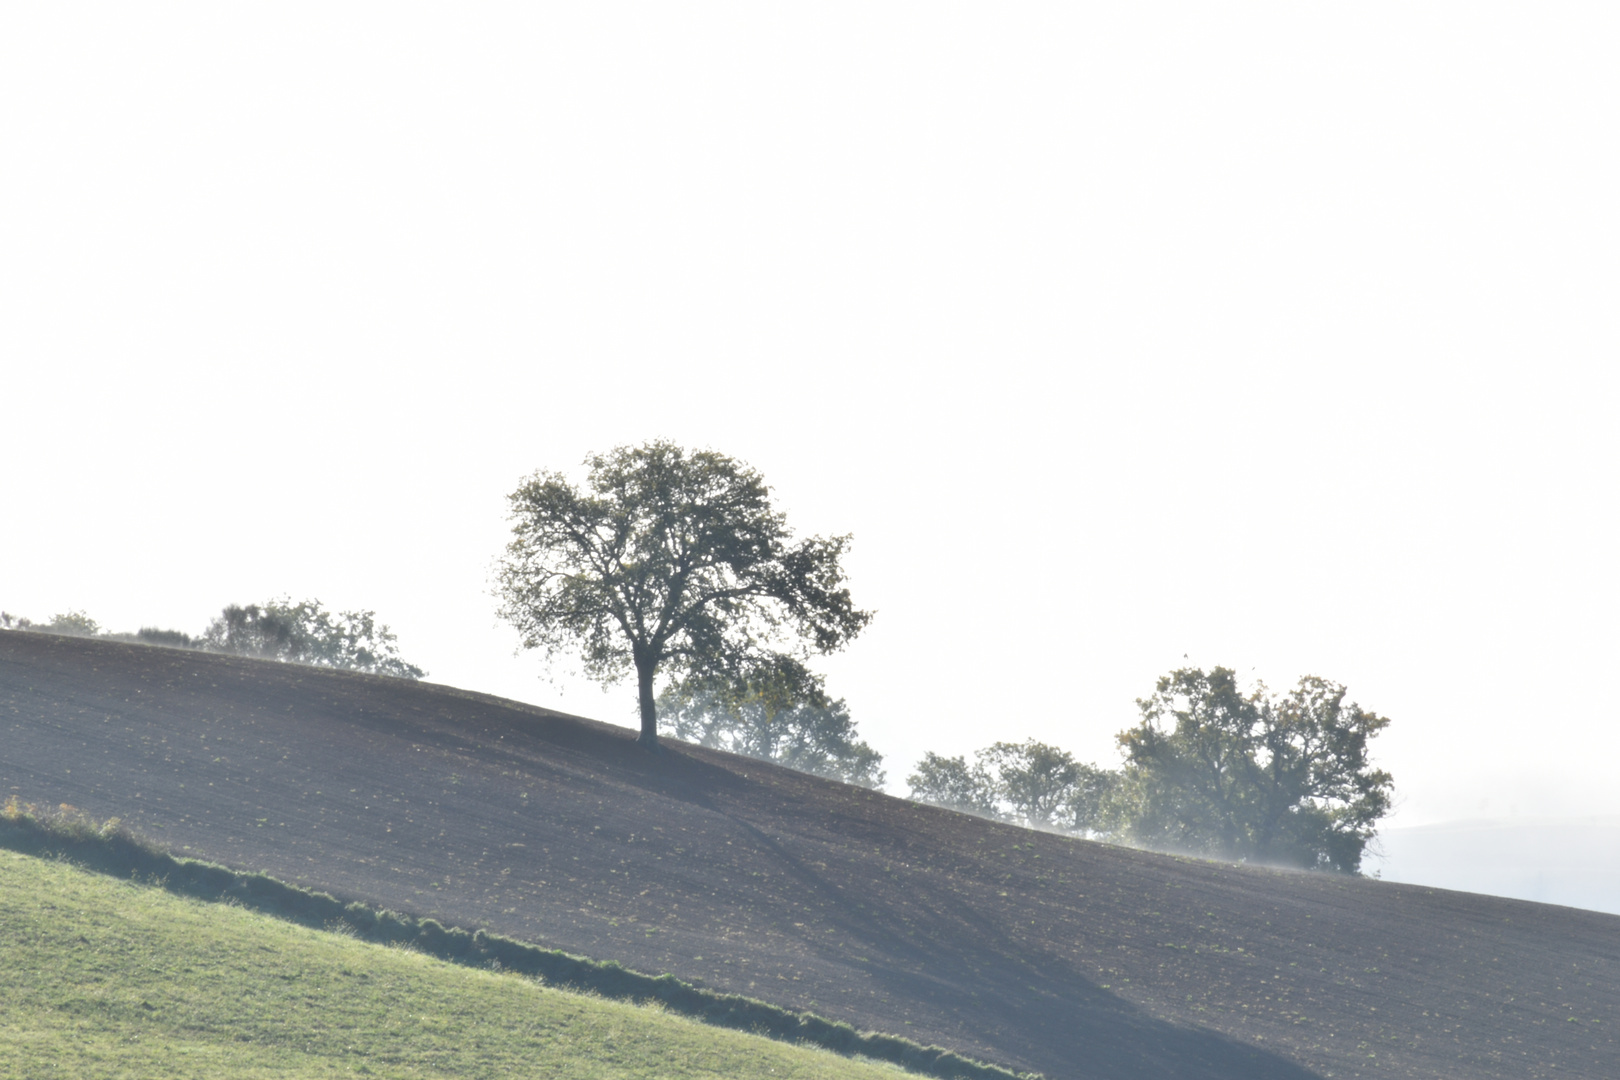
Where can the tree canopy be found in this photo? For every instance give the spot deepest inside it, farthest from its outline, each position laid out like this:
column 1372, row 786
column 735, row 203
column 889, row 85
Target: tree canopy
column 302, row 633
column 1253, row 776
column 73, row 623
column 954, row 784
column 779, row 712
column 668, row 559
column 1208, row 770
column 1030, row 783
column 306, row 633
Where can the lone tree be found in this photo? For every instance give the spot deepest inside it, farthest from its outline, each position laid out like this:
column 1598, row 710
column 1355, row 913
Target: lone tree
column 669, row 559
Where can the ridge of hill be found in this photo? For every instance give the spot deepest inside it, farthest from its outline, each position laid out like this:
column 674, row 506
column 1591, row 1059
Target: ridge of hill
column 1030, row 950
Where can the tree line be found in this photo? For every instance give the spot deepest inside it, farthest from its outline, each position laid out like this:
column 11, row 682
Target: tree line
column 674, row 564
column 304, row 632
column 1208, row 770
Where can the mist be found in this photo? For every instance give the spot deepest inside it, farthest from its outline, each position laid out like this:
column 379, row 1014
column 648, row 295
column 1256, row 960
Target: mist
column 1278, row 338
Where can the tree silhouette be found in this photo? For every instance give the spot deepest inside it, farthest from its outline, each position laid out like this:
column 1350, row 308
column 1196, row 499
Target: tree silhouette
column 668, row 559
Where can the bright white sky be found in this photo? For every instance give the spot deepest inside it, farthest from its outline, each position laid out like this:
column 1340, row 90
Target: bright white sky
column 1278, row 336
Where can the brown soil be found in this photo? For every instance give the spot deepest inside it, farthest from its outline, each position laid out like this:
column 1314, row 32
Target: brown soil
column 1030, row 950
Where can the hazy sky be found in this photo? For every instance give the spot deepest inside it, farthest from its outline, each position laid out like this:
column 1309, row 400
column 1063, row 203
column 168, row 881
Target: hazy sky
column 1277, row 336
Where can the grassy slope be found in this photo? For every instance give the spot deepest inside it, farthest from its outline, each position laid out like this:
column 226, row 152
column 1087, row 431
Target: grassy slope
column 109, row 978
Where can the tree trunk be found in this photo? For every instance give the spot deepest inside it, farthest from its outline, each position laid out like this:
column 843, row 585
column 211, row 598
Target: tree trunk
column 645, row 668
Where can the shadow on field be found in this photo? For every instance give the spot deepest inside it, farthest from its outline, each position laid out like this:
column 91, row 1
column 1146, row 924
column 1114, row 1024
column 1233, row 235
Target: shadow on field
column 983, row 976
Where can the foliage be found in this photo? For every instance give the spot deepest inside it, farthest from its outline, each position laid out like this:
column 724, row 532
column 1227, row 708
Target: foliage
column 303, row 633
column 670, row 559
column 1284, row 780
column 1208, row 770
column 1092, row 808
column 172, row 638
column 1034, row 780
column 306, row 633
column 74, row 623
column 338, row 996
column 1030, row 783
column 778, row 712
column 954, row 784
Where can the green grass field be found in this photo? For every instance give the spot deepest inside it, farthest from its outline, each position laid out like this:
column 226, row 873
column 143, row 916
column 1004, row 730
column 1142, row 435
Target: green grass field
column 104, row 978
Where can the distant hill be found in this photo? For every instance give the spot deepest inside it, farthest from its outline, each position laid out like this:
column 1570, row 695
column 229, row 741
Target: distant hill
column 1026, row 949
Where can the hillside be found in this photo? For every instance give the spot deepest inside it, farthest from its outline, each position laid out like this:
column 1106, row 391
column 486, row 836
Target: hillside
column 1029, row 950
column 109, row 978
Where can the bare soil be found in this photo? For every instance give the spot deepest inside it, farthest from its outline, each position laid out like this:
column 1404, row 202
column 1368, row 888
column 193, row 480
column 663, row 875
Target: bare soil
column 1026, row 949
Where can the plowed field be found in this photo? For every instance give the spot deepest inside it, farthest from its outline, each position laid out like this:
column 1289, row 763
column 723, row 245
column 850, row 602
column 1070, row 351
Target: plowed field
column 1036, row 951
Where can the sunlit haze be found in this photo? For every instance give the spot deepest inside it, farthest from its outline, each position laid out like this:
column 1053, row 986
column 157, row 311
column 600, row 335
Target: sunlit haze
column 1120, row 337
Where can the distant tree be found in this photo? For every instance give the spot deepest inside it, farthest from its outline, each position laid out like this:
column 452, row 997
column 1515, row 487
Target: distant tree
column 306, row 633
column 1034, row 781
column 1093, row 804
column 8, row 621
column 778, row 712
column 954, row 784
column 75, row 623
column 1208, row 770
column 668, row 559
column 1211, row 769
column 270, row 632
column 1030, row 783
column 151, row 635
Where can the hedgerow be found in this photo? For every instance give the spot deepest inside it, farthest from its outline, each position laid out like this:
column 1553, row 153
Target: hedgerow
column 111, row 848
